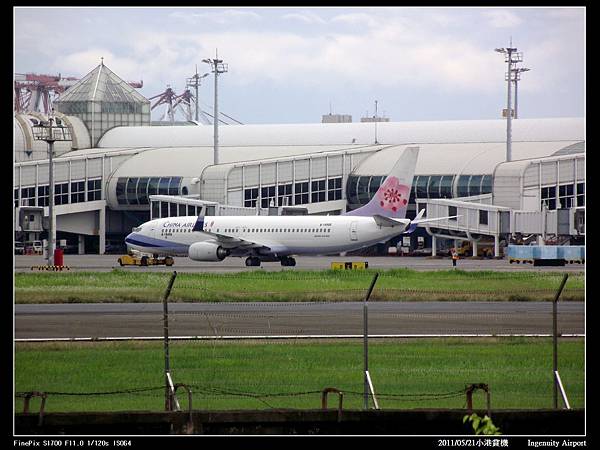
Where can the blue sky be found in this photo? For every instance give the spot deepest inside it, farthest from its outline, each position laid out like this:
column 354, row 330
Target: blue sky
column 292, row 65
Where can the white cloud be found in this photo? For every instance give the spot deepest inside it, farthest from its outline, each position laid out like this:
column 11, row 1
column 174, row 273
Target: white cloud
column 356, row 19
column 305, row 17
column 500, row 18
column 225, row 17
column 361, row 49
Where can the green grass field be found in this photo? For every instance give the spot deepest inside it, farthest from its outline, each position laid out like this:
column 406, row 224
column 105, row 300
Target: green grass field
column 398, row 284
column 262, row 375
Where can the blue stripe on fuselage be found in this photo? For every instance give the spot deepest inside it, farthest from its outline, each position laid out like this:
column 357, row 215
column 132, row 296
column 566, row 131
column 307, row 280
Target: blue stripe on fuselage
column 145, row 241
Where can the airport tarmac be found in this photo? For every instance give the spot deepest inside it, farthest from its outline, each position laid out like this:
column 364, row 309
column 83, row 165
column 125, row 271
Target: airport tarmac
column 294, row 319
column 184, row 264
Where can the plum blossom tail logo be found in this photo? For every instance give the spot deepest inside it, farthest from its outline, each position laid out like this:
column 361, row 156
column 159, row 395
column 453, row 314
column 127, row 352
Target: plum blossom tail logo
column 393, row 196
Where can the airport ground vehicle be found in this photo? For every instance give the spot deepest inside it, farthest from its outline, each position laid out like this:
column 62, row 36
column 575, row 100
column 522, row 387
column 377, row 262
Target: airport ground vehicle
column 19, row 248
column 136, row 260
column 484, row 249
column 34, row 248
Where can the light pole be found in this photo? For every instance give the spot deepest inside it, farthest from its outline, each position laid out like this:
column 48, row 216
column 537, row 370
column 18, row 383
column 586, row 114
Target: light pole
column 511, row 57
column 218, row 67
column 516, row 78
column 51, row 131
column 194, row 82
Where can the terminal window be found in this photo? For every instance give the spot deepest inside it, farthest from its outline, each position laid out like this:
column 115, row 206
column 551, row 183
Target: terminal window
column 452, row 212
column 580, row 194
column 483, row 217
column 334, row 189
column 267, row 196
column 301, row 193
column 61, row 194
column 566, row 196
column 94, row 190
column 548, row 196
column 78, row 192
column 284, row 193
column 318, row 191
column 250, row 196
column 43, row 195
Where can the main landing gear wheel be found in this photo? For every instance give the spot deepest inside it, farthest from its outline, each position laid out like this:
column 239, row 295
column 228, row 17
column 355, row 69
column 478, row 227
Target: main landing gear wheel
column 288, row 261
column 252, row 261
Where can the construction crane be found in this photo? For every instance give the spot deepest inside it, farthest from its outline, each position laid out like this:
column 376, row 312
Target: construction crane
column 167, row 97
column 36, row 92
column 183, row 103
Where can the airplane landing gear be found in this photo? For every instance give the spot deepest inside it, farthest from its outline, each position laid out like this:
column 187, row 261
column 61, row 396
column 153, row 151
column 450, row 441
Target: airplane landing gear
column 288, row 261
column 252, row 261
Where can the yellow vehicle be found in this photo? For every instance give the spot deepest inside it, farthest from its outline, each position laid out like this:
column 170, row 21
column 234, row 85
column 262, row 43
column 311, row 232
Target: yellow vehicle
column 132, row 260
column 484, row 249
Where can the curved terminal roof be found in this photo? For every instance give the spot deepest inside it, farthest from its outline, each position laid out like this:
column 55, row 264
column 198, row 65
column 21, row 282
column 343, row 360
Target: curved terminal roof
column 441, row 132
column 191, row 161
column 471, row 158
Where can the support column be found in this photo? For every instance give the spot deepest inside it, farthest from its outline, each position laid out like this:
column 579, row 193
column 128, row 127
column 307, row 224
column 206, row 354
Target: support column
column 102, row 230
column 497, row 246
column 433, row 245
column 81, row 248
column 474, row 245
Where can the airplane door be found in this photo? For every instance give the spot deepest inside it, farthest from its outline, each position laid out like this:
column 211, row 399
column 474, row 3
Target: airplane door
column 353, row 231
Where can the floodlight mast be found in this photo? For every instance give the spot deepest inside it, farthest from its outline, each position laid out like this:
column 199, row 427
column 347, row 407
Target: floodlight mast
column 511, row 56
column 51, row 131
column 194, row 81
column 516, row 78
column 218, row 67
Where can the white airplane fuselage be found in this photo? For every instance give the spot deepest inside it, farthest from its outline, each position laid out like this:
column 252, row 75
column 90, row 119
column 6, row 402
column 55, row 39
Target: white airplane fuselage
column 282, row 235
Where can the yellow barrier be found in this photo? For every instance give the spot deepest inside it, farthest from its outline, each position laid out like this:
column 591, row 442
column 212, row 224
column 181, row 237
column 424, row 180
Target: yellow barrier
column 349, row 265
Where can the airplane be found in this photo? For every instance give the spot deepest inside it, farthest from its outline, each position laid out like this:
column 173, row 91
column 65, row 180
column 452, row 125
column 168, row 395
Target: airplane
column 279, row 238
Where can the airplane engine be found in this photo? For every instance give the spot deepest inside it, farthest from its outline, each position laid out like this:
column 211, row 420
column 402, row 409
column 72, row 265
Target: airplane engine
column 207, row 251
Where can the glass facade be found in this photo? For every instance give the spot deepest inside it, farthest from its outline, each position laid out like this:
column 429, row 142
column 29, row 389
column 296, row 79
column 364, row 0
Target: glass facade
column 361, row 189
column 161, row 209
column 548, row 197
column 569, row 196
column 299, row 193
column 135, row 191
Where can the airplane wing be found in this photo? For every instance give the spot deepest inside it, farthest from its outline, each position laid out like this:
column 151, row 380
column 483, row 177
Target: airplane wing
column 231, row 243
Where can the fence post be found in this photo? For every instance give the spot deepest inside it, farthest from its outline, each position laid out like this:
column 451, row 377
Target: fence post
column 168, row 394
column 555, row 340
column 366, row 341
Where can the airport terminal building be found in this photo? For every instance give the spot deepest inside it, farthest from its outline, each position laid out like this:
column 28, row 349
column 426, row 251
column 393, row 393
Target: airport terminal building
column 118, row 171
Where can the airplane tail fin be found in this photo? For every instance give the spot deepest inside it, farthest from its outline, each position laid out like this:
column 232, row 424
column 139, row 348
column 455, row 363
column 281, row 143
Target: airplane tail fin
column 391, row 199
